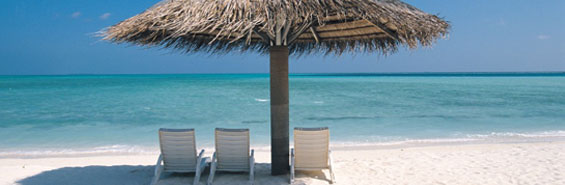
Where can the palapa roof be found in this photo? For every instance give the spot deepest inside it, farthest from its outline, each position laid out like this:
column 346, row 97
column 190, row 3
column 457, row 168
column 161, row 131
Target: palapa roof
column 326, row 26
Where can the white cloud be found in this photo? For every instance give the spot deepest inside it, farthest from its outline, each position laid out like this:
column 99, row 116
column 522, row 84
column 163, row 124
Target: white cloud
column 105, row 16
column 543, row 37
column 76, row 15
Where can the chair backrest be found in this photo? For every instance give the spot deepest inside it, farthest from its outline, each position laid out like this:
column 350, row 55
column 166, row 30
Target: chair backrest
column 178, row 149
column 311, row 147
column 232, row 149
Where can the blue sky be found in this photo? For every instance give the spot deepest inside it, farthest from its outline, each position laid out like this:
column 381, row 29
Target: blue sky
column 57, row 37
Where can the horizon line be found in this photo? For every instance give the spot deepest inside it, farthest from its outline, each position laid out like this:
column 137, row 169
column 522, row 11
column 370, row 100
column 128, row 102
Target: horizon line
column 514, row 73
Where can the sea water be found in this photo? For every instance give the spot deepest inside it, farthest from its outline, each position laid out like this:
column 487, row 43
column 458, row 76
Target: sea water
column 122, row 113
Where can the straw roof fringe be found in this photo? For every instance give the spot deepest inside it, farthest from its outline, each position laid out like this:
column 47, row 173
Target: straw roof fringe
column 306, row 26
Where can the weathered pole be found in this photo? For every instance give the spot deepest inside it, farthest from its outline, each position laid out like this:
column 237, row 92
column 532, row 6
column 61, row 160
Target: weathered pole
column 279, row 110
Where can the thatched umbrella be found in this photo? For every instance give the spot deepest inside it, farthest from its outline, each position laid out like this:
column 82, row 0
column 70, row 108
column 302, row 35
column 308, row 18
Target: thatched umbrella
column 280, row 27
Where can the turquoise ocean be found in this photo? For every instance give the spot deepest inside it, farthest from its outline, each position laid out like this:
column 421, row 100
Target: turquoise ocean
column 91, row 114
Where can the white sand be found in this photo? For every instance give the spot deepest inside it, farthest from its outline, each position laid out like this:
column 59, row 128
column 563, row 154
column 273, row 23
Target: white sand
column 524, row 163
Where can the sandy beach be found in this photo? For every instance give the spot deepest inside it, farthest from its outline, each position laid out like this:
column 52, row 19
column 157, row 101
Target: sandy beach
column 506, row 163
column 399, row 93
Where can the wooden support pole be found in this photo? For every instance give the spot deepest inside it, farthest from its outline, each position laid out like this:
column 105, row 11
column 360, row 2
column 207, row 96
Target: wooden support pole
column 279, row 110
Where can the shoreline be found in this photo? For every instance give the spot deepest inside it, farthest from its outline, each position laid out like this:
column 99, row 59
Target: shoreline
column 126, row 150
column 500, row 163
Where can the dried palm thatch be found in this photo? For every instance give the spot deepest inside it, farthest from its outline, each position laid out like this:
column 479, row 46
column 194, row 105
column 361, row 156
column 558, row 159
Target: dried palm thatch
column 305, row 26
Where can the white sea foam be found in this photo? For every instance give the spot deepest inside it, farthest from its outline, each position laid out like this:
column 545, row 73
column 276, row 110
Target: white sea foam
column 261, row 100
column 66, row 152
column 557, row 133
column 494, row 137
column 380, row 142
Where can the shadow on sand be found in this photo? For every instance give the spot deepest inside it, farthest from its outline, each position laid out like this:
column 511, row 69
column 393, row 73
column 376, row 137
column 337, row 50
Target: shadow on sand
column 142, row 175
column 89, row 175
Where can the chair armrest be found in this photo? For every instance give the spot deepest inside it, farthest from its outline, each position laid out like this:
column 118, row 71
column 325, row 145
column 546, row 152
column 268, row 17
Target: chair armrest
column 159, row 160
column 292, row 152
column 159, row 165
column 201, row 153
column 214, row 157
column 292, row 158
column 252, row 160
column 200, row 156
column 252, row 166
column 199, row 160
column 330, row 157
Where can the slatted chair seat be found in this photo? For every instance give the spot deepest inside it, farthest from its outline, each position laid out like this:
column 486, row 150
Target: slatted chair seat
column 178, row 154
column 311, row 151
column 232, row 153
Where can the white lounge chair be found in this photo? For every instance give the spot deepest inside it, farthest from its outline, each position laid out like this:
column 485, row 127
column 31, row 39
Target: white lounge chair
column 178, row 154
column 232, row 153
column 311, row 151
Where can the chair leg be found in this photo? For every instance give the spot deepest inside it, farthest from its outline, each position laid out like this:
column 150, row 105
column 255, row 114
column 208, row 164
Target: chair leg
column 291, row 166
column 158, row 170
column 199, row 168
column 331, row 166
column 292, row 174
column 156, row 177
column 212, row 170
column 252, row 168
column 196, row 178
column 332, row 175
